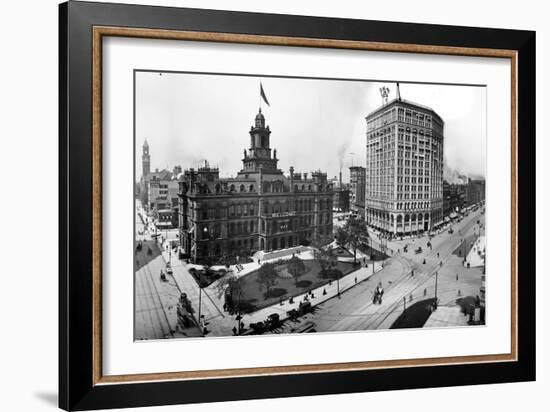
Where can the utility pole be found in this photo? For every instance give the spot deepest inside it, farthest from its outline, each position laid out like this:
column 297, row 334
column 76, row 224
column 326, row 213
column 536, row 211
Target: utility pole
column 436, row 275
column 200, row 299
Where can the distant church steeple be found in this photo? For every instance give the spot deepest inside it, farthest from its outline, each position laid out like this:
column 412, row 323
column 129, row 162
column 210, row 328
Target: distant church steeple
column 145, row 160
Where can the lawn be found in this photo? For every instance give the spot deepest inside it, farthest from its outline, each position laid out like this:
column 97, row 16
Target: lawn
column 415, row 316
column 463, row 249
column 254, row 295
column 341, row 252
column 374, row 254
column 149, row 251
column 205, row 278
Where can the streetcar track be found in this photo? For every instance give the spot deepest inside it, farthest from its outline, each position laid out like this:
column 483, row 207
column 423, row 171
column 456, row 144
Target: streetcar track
column 156, row 301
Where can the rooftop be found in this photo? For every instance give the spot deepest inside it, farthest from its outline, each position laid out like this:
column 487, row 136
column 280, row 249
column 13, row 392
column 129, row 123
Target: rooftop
column 405, row 102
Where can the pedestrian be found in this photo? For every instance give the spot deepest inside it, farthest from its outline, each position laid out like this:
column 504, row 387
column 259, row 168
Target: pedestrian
column 425, row 291
column 457, row 277
column 355, row 279
column 234, row 330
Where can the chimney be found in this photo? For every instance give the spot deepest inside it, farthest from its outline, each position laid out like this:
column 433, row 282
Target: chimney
column 340, row 179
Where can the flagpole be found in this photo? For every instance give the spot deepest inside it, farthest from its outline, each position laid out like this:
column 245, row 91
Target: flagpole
column 260, row 97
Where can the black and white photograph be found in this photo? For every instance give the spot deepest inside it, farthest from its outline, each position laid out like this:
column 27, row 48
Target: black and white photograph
column 280, row 205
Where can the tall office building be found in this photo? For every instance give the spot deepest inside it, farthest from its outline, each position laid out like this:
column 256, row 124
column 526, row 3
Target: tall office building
column 404, row 168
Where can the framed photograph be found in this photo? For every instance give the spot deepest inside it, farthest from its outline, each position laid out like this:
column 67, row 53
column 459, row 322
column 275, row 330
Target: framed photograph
column 257, row 205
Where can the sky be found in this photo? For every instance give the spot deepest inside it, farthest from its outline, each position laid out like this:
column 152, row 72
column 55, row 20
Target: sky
column 315, row 123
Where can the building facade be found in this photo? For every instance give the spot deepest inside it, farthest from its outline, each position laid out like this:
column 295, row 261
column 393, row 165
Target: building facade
column 357, row 189
column 259, row 209
column 341, row 197
column 454, row 197
column 162, row 192
column 404, row 168
column 476, row 191
column 158, row 190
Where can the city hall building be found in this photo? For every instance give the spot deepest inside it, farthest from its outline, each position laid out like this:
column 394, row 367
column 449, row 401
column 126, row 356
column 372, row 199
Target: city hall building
column 404, row 168
column 259, row 209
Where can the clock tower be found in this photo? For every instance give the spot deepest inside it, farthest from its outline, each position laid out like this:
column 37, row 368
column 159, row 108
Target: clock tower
column 259, row 154
column 145, row 160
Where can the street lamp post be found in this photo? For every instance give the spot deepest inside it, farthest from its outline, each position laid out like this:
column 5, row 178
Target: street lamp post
column 205, row 231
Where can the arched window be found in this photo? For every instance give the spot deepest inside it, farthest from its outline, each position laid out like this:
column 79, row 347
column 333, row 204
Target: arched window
column 251, row 188
column 232, row 188
column 241, row 188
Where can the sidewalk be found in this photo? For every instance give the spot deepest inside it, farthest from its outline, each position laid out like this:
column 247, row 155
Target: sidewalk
column 477, row 253
column 446, row 316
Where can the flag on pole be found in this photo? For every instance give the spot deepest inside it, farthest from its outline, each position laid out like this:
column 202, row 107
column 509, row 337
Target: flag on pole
column 262, row 93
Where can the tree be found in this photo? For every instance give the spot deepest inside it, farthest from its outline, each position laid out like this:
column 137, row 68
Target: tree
column 296, row 268
column 353, row 233
column 231, row 286
column 329, row 265
column 267, row 275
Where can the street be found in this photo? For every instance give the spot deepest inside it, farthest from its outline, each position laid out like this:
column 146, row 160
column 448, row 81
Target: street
column 356, row 311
